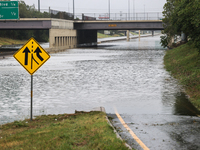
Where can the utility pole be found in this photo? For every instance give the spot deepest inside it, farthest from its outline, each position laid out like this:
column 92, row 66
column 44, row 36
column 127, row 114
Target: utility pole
column 73, row 10
column 129, row 9
column 133, row 9
column 109, row 8
column 144, row 12
column 39, row 5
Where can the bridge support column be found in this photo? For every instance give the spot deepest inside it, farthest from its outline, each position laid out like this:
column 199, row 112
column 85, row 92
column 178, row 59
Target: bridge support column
column 61, row 38
column 128, row 35
column 139, row 35
column 56, row 41
column 87, row 37
column 67, row 40
column 152, row 33
column 70, row 41
column 75, row 41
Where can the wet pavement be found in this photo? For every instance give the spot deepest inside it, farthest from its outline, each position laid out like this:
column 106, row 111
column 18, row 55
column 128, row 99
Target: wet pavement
column 128, row 76
column 160, row 131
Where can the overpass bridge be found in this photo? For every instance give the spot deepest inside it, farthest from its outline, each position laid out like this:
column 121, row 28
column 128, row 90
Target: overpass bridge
column 68, row 33
column 89, row 28
column 119, row 25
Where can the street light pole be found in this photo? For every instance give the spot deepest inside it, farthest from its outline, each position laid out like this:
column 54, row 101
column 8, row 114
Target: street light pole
column 109, row 8
column 129, row 9
column 144, row 12
column 133, row 9
column 39, row 5
column 73, row 10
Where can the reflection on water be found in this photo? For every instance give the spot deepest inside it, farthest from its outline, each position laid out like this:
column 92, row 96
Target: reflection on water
column 128, row 75
column 146, row 44
column 183, row 106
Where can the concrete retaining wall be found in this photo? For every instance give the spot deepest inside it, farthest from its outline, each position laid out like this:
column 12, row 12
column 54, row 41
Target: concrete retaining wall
column 62, row 38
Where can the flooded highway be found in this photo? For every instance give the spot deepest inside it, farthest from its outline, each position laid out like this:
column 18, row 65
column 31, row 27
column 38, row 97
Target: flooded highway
column 127, row 76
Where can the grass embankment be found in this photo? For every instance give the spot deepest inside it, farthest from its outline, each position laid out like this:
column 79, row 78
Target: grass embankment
column 100, row 35
column 81, row 131
column 184, row 64
column 8, row 41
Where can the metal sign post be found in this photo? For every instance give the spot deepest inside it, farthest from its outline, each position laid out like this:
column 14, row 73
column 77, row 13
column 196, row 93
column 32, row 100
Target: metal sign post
column 31, row 56
column 31, row 97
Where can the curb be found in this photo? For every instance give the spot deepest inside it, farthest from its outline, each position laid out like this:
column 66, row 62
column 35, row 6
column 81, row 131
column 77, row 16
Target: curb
column 102, row 109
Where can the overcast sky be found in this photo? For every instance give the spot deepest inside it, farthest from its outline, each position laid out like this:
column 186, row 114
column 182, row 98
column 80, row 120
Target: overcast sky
column 100, row 6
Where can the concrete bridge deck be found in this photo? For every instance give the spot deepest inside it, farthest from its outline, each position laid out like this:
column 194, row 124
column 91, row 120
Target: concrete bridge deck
column 36, row 23
column 119, row 25
column 50, row 23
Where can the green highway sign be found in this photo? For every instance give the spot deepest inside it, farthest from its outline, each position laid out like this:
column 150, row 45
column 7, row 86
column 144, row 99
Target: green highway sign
column 9, row 10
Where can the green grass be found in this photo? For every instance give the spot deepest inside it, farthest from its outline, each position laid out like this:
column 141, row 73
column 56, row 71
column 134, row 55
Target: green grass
column 80, row 131
column 184, row 64
column 100, row 35
column 134, row 33
column 8, row 41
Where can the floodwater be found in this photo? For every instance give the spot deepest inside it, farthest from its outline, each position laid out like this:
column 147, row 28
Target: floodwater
column 128, row 76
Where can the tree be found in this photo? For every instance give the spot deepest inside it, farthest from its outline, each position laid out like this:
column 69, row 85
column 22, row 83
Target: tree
column 170, row 29
column 189, row 20
column 181, row 16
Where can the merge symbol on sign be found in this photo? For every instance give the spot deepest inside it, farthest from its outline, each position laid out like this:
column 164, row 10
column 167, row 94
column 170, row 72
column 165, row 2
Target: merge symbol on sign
column 37, row 51
column 31, row 56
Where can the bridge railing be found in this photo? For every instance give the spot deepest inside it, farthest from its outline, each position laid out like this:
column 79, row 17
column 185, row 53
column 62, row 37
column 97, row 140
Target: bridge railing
column 103, row 16
column 122, row 16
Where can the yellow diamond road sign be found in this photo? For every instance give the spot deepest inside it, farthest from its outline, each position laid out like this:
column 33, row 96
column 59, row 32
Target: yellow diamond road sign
column 31, row 56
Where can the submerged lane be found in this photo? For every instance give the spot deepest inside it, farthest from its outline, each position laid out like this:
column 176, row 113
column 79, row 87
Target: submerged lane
column 128, row 76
